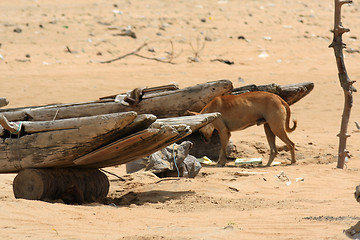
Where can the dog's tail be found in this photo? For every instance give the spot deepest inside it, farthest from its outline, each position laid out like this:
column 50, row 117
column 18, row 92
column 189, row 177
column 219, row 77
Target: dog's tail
column 287, row 120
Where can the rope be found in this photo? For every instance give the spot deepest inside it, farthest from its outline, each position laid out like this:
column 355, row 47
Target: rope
column 17, row 130
column 178, row 172
column 57, row 111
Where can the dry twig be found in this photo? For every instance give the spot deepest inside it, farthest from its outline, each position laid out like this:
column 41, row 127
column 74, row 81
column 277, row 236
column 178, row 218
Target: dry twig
column 110, row 173
column 168, row 59
column 199, row 48
column 126, row 55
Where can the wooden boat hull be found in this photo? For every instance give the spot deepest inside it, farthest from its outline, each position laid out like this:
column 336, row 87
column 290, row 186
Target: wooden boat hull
column 56, row 147
column 172, row 103
column 161, row 133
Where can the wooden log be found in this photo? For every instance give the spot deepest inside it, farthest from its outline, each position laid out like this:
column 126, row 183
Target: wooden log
column 290, row 93
column 166, row 104
column 59, row 148
column 70, row 185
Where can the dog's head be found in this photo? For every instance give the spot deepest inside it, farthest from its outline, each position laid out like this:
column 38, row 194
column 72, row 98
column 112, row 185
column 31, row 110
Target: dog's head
column 206, row 131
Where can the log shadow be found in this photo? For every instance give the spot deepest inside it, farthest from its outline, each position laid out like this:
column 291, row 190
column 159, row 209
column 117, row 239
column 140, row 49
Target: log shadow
column 141, row 198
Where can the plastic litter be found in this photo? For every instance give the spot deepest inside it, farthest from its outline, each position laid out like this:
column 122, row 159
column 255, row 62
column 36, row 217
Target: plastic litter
column 267, row 38
column 284, row 178
column 241, row 161
column 207, row 161
column 299, row 179
column 115, row 11
column 263, row 54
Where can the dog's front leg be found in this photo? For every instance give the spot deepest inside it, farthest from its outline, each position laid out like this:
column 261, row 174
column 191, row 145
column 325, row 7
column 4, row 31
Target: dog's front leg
column 224, row 140
column 224, row 135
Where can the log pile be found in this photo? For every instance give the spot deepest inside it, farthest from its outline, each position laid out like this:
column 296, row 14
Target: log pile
column 56, row 141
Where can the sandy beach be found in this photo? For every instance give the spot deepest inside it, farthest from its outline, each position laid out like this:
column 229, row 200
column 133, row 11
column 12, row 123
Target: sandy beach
column 53, row 52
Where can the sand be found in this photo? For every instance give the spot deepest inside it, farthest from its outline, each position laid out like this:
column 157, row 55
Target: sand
column 51, row 52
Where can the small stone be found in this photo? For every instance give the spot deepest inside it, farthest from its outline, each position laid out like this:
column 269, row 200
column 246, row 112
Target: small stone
column 18, row 30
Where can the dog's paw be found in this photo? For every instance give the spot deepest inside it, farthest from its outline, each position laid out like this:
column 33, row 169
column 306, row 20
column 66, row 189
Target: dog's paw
column 220, row 165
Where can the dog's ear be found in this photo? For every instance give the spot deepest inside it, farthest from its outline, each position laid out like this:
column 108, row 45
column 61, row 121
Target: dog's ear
column 191, row 113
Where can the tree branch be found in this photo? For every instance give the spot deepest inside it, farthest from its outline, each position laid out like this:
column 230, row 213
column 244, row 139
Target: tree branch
column 347, row 85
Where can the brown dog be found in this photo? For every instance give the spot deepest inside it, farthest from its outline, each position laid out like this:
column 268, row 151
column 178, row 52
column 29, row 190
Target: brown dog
column 244, row 110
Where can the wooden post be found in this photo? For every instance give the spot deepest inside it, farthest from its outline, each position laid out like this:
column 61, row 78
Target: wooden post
column 338, row 45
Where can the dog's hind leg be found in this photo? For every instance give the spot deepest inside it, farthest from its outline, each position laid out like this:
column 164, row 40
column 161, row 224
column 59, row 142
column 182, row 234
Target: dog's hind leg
column 290, row 145
column 271, row 140
column 281, row 133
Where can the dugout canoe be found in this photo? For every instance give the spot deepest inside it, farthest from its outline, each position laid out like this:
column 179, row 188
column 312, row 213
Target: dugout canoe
column 162, row 103
column 160, row 134
column 92, row 142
